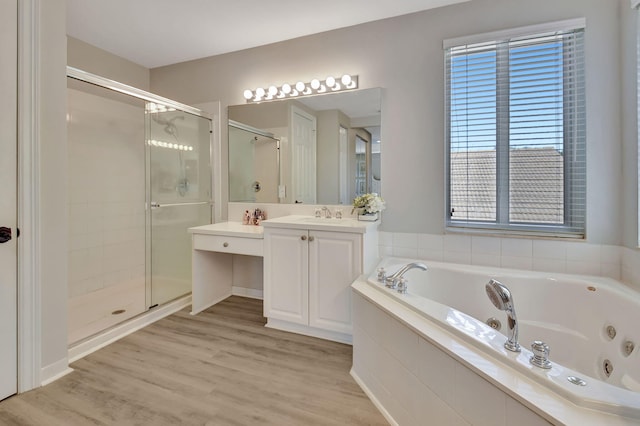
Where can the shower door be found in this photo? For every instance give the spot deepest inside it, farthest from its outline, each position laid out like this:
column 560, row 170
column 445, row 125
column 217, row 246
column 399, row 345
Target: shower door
column 179, row 178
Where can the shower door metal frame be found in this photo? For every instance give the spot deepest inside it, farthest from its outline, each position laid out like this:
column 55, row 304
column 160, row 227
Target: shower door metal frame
column 97, row 80
column 260, row 132
column 116, row 86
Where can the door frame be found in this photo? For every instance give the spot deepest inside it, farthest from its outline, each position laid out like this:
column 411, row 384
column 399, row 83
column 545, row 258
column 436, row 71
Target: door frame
column 8, row 203
column 295, row 178
column 29, row 280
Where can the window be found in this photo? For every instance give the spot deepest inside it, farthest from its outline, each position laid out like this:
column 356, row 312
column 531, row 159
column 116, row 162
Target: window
column 515, row 129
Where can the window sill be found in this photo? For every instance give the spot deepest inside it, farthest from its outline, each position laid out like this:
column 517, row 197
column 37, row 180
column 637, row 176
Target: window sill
column 513, row 233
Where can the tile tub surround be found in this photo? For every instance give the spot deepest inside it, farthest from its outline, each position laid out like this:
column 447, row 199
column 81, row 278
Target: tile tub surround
column 414, row 370
column 573, row 257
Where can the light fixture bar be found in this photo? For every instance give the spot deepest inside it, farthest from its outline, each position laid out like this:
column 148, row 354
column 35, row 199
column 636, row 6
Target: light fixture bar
column 314, row 87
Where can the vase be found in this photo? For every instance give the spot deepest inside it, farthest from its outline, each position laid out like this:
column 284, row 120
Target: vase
column 368, row 217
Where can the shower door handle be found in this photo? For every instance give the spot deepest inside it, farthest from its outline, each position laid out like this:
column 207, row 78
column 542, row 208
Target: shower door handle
column 156, row 205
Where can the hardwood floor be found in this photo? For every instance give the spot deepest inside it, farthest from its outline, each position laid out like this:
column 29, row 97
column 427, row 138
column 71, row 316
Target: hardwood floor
column 221, row 367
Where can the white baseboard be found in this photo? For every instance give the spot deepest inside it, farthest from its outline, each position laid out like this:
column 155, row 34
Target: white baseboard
column 92, row 344
column 215, row 302
column 373, row 398
column 53, row 372
column 252, row 293
column 309, row 331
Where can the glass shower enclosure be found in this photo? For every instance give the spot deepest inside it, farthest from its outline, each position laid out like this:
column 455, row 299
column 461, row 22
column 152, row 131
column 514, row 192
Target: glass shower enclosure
column 179, row 196
column 139, row 170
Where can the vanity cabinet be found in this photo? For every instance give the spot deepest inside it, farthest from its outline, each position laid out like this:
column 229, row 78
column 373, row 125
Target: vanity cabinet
column 307, row 277
column 212, row 259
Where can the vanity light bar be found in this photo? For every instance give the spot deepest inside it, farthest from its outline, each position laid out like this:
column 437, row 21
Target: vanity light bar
column 314, row 87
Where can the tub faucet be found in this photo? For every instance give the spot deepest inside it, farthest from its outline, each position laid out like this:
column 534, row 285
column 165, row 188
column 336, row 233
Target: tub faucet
column 392, row 280
column 501, row 298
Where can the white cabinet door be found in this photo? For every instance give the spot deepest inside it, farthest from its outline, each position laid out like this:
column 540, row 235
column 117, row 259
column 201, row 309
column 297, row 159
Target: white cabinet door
column 286, row 289
column 335, row 260
column 8, row 219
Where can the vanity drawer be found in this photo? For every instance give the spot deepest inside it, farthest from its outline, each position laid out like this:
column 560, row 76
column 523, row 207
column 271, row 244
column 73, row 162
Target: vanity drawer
column 235, row 245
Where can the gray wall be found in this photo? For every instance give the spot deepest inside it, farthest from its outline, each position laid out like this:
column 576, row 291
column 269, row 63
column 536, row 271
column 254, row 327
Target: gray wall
column 97, row 61
column 628, row 24
column 52, row 214
column 404, row 55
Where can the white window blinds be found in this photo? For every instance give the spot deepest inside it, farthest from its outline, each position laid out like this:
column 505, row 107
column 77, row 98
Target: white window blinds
column 516, row 133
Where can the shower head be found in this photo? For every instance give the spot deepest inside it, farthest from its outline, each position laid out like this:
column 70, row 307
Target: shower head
column 499, row 295
column 501, row 298
column 170, row 127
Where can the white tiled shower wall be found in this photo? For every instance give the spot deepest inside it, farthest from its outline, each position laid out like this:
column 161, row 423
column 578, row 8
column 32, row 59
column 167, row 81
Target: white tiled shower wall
column 106, row 194
column 573, row 257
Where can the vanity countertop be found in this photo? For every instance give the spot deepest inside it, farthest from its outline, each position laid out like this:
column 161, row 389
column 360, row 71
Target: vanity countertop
column 321, row 224
column 229, row 229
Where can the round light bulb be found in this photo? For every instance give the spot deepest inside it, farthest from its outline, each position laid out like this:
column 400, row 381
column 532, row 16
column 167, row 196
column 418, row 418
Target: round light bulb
column 286, row 89
column 260, row 92
column 273, row 90
column 300, row 86
column 315, row 84
column 346, row 79
column 330, row 81
column 248, row 94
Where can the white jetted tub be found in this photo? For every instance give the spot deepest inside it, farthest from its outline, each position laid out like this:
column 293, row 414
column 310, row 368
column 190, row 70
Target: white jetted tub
column 591, row 325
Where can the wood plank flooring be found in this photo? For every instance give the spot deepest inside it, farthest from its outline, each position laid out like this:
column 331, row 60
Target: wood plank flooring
column 221, row 367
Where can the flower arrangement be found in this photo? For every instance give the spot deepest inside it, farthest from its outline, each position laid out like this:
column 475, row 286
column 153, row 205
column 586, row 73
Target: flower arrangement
column 369, row 203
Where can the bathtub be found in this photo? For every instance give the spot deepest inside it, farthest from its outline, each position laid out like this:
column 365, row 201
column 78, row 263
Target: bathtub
column 591, row 324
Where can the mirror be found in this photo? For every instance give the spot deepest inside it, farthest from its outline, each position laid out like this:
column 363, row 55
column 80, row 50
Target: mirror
column 321, row 149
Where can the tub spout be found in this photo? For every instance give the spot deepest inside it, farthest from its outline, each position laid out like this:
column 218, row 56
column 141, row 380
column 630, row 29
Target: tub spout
column 393, row 280
column 501, row 298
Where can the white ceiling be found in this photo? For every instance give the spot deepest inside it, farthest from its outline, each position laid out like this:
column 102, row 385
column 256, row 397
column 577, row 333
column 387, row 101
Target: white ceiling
column 154, row 33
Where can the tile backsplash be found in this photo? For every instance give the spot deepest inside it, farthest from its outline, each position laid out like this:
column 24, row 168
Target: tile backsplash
column 573, row 257
column 563, row 256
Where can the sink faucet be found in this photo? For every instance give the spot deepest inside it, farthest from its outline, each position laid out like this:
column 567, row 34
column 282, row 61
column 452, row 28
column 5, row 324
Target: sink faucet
column 327, row 212
column 392, row 280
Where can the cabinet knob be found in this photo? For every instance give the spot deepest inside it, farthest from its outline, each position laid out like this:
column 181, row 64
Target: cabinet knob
column 311, row 238
column 303, row 238
column 225, row 244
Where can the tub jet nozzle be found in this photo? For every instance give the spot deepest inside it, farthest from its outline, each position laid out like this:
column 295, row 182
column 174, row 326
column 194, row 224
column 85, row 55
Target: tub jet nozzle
column 501, row 298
